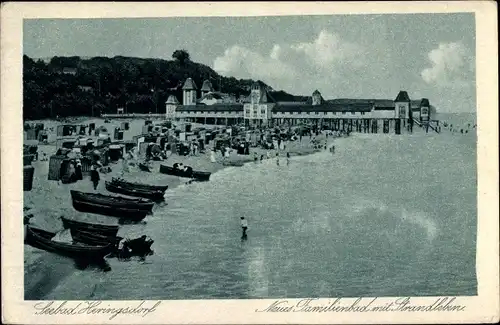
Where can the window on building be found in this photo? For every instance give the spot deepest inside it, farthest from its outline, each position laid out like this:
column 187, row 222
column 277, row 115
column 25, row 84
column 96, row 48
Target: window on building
column 324, row 113
column 343, row 113
column 334, row 113
column 362, row 113
column 262, row 111
column 317, row 113
column 247, row 112
column 353, row 113
column 308, row 113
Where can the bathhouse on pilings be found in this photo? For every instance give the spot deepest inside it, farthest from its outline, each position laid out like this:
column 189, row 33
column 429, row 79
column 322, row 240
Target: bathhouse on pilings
column 263, row 107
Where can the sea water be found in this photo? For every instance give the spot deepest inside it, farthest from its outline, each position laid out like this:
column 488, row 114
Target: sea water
column 385, row 215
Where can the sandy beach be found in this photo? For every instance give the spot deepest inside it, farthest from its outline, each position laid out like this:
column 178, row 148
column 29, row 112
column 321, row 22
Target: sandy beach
column 49, row 200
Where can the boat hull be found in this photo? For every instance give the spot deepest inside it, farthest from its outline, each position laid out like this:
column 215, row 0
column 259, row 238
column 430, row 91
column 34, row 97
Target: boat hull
column 152, row 195
column 42, row 239
column 118, row 212
column 94, row 239
column 197, row 175
column 105, row 230
column 116, row 202
column 124, row 183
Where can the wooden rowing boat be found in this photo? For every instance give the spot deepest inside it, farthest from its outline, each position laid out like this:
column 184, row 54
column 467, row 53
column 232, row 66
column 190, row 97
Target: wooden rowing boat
column 140, row 185
column 115, row 206
column 90, row 238
column 134, row 215
column 98, row 228
column 113, row 201
column 154, row 195
column 42, row 239
column 197, row 175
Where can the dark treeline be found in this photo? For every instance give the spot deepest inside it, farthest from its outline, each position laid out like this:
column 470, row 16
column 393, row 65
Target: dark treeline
column 71, row 86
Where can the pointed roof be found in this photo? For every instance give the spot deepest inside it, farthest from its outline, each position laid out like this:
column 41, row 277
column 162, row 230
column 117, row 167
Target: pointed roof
column 316, row 92
column 189, row 85
column 425, row 102
column 207, row 86
column 172, row 100
column 402, row 97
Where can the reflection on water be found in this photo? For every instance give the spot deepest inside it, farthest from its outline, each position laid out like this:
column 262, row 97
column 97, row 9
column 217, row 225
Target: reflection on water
column 383, row 216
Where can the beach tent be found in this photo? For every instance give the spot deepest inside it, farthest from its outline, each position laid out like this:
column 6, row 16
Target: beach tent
column 101, row 130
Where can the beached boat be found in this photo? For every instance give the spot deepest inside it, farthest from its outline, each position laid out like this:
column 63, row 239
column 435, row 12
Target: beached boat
column 197, row 175
column 144, row 167
column 90, row 238
column 140, row 185
column 115, row 206
column 97, row 228
column 42, row 239
column 131, row 191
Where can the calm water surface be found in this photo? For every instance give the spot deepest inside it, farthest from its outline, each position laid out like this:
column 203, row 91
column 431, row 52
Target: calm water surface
column 384, row 216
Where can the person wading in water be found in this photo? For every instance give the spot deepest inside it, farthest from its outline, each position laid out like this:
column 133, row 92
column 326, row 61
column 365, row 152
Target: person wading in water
column 244, row 227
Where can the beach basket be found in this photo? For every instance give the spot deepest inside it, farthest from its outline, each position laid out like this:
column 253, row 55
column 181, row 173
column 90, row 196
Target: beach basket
column 148, row 122
column 31, row 134
column 115, row 152
column 28, row 172
column 28, row 159
column 55, row 167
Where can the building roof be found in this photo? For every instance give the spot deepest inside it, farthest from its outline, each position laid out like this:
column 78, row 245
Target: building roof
column 207, row 86
column 189, row 85
column 211, row 108
column 325, row 107
column 213, row 94
column 316, row 92
column 402, row 97
column 172, row 100
column 424, row 102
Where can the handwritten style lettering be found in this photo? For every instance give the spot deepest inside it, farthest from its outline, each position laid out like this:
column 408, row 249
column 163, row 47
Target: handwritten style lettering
column 92, row 308
column 362, row 305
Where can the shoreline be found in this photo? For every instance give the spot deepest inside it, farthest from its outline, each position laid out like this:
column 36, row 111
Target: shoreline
column 40, row 277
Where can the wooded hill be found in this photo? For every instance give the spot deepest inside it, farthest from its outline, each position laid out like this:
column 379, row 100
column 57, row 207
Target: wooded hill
column 71, row 86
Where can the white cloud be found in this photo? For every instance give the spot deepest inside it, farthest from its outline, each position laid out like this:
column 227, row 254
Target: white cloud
column 327, row 57
column 329, row 49
column 243, row 63
column 452, row 66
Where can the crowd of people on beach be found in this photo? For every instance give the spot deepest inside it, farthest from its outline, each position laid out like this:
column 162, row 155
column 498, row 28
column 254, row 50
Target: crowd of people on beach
column 459, row 129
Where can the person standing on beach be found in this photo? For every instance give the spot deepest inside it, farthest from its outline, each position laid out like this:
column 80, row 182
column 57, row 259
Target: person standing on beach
column 212, row 156
column 244, row 227
column 287, row 158
column 78, row 171
column 94, row 176
column 261, row 158
column 255, row 158
column 277, row 159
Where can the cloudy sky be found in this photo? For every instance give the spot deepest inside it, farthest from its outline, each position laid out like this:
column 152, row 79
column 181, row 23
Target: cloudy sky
column 356, row 56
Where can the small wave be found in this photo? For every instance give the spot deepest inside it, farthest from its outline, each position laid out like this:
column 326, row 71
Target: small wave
column 419, row 219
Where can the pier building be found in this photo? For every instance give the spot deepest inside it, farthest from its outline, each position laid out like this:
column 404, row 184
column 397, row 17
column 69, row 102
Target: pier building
column 264, row 108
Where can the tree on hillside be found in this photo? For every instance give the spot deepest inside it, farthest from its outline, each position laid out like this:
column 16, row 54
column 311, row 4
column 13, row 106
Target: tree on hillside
column 181, row 55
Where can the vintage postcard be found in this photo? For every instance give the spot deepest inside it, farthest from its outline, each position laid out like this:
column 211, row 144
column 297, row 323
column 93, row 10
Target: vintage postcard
column 249, row 163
